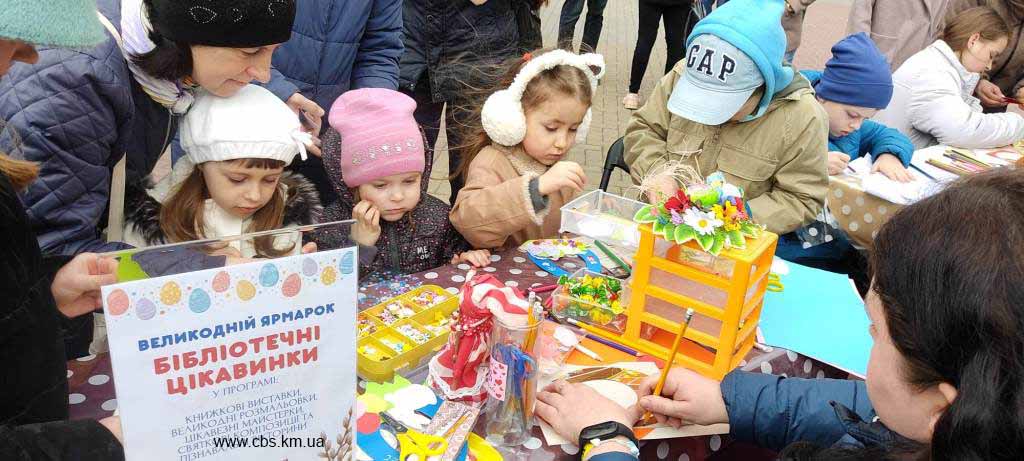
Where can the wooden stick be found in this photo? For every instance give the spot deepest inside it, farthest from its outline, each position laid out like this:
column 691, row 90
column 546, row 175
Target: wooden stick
column 671, row 358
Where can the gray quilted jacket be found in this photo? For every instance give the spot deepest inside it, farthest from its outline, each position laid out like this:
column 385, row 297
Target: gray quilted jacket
column 77, row 113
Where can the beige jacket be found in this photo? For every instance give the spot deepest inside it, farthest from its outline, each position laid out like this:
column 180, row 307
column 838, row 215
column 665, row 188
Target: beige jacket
column 900, row 28
column 494, row 209
column 1008, row 68
column 779, row 159
column 793, row 24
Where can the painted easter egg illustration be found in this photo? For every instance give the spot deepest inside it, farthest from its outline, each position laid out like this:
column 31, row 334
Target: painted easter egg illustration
column 117, row 302
column 309, row 267
column 199, row 301
column 246, row 290
column 145, row 309
column 170, row 294
column 269, row 275
column 221, row 282
column 329, row 276
column 292, row 285
column 347, row 262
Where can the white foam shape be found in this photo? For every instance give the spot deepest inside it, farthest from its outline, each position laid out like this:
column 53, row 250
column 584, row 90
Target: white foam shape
column 780, row 267
column 617, row 392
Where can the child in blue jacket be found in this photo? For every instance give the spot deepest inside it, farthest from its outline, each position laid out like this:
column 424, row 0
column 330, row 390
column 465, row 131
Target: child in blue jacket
column 945, row 379
column 855, row 85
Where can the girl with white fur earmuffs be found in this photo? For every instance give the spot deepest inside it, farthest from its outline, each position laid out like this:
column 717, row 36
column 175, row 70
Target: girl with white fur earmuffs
column 516, row 174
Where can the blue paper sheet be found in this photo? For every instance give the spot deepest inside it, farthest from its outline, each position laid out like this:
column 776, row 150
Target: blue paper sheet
column 818, row 314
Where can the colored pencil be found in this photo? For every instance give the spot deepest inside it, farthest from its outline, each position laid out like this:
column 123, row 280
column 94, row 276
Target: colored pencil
column 671, row 358
column 598, row 339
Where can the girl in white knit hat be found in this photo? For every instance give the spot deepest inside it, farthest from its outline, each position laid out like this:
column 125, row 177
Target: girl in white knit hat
column 232, row 180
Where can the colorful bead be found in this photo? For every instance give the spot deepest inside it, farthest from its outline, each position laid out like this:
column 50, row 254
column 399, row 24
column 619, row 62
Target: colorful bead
column 417, row 336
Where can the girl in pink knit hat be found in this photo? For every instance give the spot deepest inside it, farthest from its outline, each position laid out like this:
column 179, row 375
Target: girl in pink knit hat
column 376, row 161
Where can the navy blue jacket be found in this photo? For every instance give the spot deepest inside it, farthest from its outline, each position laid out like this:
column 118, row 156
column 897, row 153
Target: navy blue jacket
column 457, row 43
column 77, row 113
column 872, row 138
column 773, row 412
column 338, row 45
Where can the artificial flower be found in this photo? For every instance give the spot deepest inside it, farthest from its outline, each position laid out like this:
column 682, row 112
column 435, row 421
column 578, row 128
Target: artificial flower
column 730, row 191
column 680, row 202
column 719, row 212
column 703, row 196
column 677, row 218
column 701, row 221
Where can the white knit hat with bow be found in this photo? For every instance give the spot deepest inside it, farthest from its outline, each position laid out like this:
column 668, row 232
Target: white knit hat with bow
column 251, row 124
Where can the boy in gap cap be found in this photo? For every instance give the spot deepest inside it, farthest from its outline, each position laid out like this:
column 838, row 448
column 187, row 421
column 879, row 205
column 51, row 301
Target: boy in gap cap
column 732, row 106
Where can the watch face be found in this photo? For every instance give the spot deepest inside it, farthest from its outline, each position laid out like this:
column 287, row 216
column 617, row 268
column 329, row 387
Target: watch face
column 599, row 431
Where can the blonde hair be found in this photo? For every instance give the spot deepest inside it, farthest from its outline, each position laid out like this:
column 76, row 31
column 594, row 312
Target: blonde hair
column 21, row 173
column 561, row 80
column 981, row 20
column 181, row 216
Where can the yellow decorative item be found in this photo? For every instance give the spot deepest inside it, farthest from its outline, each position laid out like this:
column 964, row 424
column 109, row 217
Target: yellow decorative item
column 726, row 292
column 170, row 294
column 246, row 290
column 482, row 450
column 329, row 276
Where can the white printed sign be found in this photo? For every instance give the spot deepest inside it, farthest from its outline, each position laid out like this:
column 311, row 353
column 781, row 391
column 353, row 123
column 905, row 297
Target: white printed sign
column 253, row 361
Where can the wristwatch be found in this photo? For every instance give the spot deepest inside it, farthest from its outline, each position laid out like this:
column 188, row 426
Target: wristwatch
column 606, row 430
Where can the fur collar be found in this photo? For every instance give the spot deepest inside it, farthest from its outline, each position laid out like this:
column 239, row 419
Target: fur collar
column 522, row 162
column 302, row 207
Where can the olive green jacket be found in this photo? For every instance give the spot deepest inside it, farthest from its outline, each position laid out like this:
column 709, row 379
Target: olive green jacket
column 779, row 159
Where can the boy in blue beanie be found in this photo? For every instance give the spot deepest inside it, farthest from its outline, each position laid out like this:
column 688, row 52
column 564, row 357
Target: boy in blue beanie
column 855, row 85
column 733, row 106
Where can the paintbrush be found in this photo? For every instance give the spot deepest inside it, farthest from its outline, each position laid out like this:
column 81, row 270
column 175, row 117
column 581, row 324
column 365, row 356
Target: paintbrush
column 671, row 358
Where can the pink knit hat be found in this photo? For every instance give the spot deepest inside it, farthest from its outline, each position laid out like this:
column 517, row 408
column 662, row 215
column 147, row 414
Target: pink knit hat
column 379, row 136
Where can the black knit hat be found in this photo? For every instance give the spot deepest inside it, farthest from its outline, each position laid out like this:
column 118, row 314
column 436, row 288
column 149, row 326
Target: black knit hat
column 227, row 23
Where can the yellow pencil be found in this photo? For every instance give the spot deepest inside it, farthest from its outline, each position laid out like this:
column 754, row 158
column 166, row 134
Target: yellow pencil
column 671, row 358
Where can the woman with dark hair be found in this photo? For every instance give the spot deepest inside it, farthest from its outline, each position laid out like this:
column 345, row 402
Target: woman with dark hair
column 79, row 112
column 39, row 291
column 945, row 377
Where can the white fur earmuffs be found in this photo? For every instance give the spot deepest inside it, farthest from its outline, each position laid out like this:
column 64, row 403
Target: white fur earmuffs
column 503, row 117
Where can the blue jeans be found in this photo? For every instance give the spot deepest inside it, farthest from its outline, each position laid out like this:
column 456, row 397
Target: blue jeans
column 571, row 11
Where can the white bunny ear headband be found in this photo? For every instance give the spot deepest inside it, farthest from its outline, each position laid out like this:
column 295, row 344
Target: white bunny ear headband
column 503, row 117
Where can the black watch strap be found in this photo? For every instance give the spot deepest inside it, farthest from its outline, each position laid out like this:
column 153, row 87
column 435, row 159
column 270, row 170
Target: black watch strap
column 606, row 430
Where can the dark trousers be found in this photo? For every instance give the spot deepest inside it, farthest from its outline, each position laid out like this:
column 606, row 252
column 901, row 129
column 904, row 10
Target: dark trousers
column 571, row 11
column 678, row 23
column 428, row 116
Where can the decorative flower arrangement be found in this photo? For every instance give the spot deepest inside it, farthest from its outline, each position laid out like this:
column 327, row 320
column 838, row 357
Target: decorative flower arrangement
column 712, row 213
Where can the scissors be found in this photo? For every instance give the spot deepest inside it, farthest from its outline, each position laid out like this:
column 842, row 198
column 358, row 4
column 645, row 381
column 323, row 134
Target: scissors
column 775, row 283
column 413, row 445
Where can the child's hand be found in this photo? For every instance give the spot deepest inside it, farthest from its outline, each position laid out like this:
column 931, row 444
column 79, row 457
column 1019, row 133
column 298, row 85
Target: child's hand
column 837, row 162
column 478, row 258
column 687, row 398
column 892, row 168
column 366, row 231
column 562, row 175
column 662, row 190
column 309, row 248
column 990, row 94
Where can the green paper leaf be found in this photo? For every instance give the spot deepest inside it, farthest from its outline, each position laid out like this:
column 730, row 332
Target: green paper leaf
column 669, row 232
column 684, row 234
column 658, row 227
column 750, row 229
column 705, row 240
column 736, row 239
column 644, row 215
column 719, row 242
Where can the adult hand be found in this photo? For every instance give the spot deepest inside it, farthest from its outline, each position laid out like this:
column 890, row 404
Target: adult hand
column 990, row 94
column 76, row 287
column 687, row 398
column 366, row 230
column 478, row 258
column 569, row 408
column 837, row 162
column 113, row 424
column 892, row 168
column 562, row 175
column 312, row 115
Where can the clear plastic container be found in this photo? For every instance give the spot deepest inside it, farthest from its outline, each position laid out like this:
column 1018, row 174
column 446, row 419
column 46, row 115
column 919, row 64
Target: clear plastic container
column 605, row 217
column 565, row 305
column 512, row 384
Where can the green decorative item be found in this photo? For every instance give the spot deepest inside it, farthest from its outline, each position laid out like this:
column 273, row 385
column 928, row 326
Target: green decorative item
column 57, row 23
column 712, row 213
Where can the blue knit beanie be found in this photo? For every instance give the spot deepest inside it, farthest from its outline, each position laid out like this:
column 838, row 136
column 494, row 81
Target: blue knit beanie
column 857, row 74
column 59, row 23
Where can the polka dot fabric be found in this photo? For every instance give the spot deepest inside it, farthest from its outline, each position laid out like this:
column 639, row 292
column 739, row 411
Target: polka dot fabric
column 92, row 386
column 859, row 214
